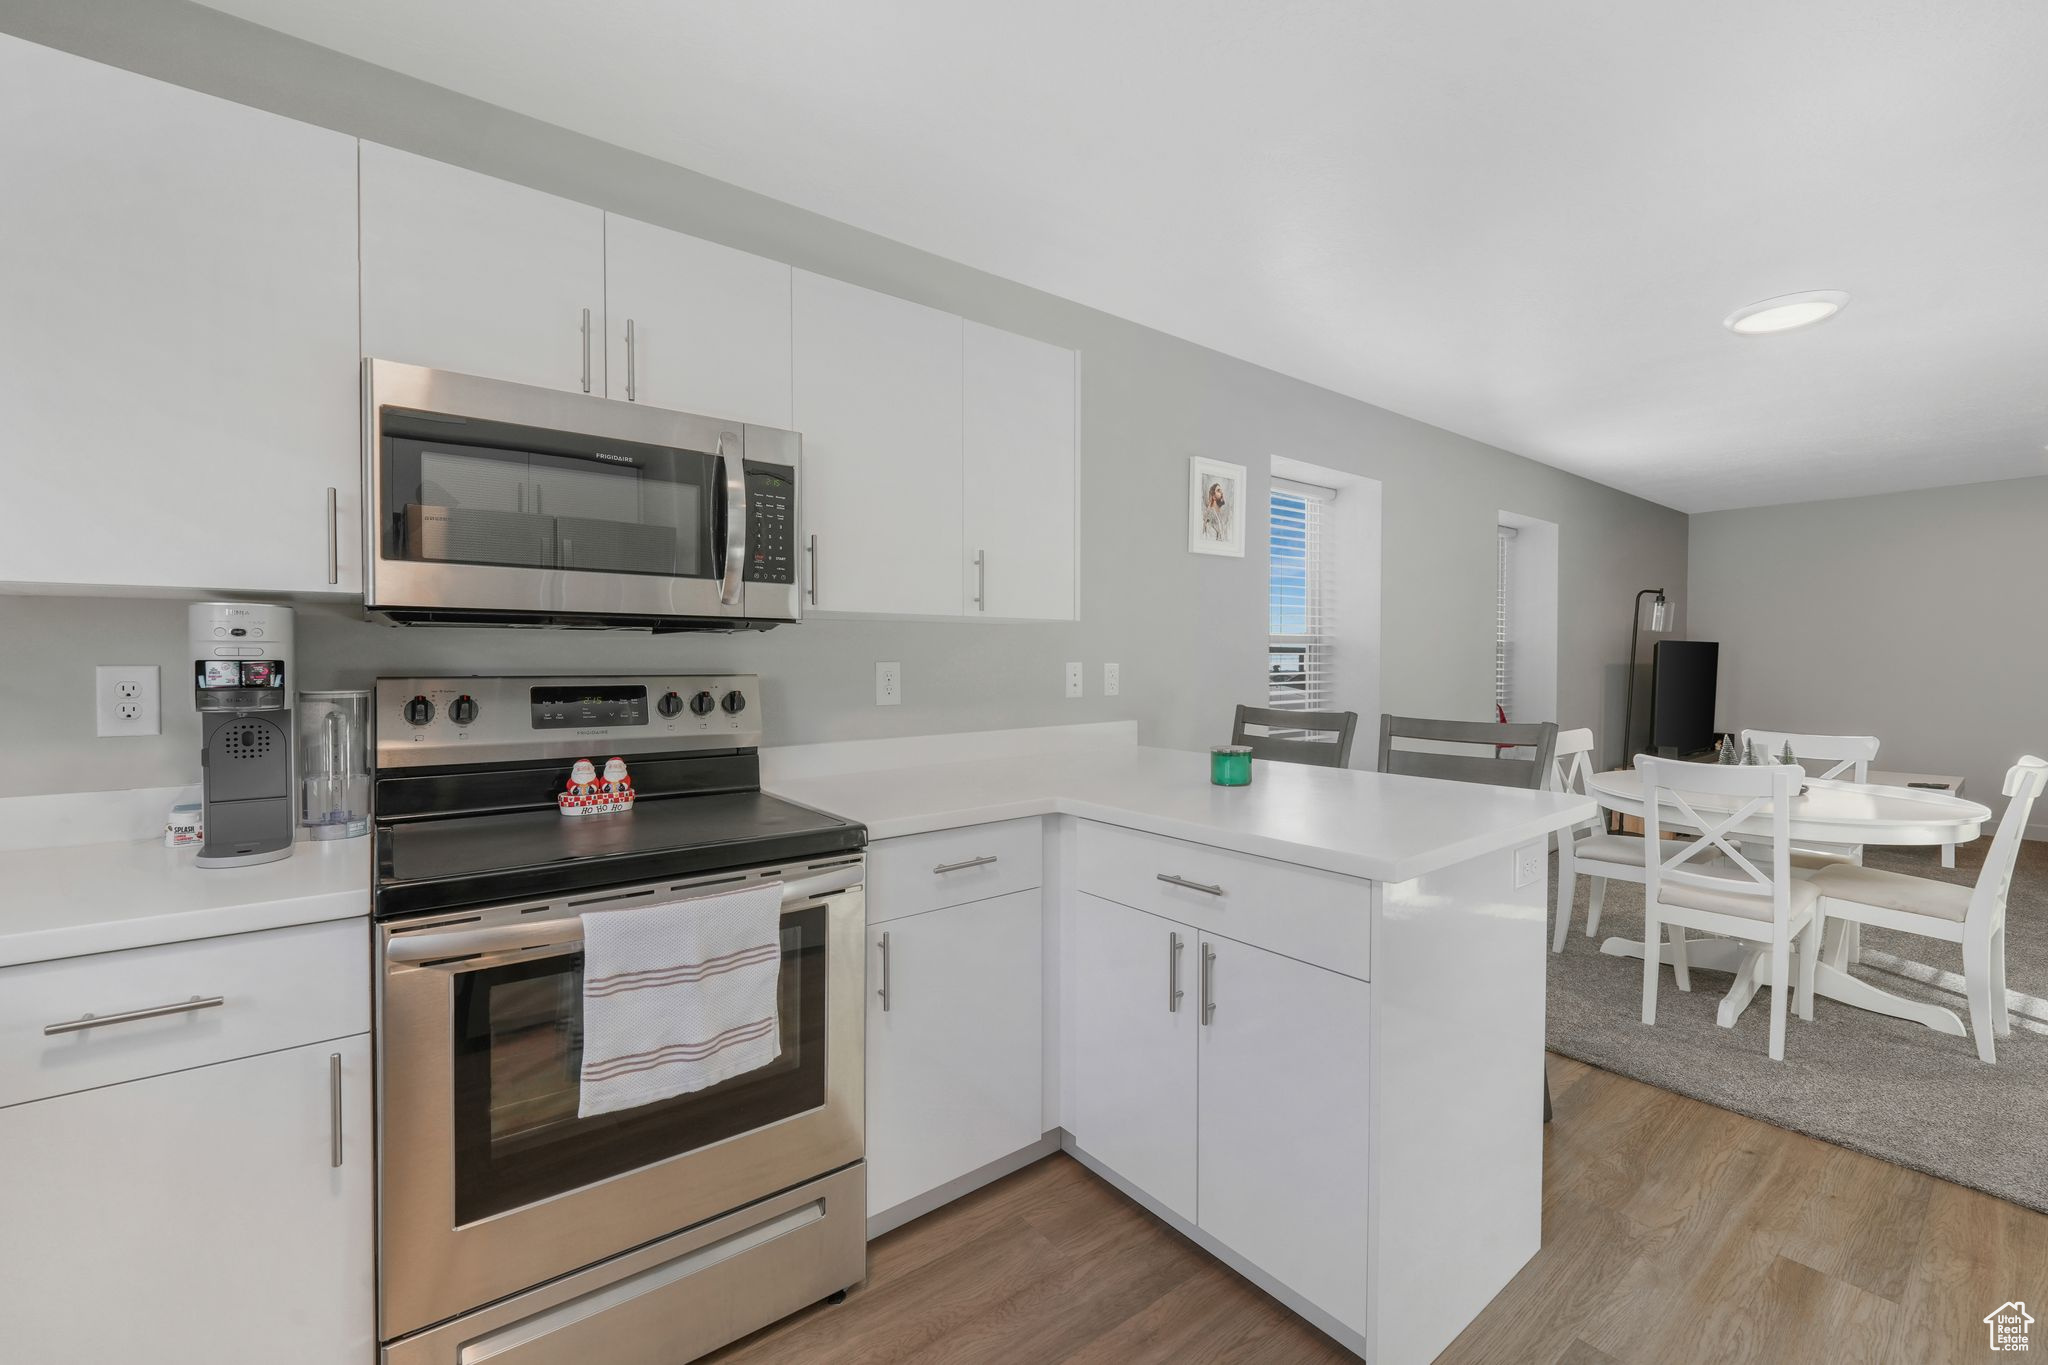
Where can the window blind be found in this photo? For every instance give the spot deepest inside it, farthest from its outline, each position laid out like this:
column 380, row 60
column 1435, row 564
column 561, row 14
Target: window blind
column 1503, row 664
column 1301, row 606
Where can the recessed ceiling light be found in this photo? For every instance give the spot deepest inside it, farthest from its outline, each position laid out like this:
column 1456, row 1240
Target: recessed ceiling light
column 1785, row 313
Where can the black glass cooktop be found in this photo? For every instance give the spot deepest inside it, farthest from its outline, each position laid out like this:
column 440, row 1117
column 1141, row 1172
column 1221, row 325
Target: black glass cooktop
column 481, row 859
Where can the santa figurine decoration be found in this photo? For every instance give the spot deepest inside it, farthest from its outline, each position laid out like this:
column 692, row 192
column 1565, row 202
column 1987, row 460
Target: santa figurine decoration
column 580, row 797
column 587, row 794
column 618, row 785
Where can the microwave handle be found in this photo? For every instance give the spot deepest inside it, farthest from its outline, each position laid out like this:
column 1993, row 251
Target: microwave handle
column 735, row 473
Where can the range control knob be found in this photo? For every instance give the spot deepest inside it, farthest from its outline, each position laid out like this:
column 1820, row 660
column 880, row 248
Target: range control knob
column 703, row 704
column 735, row 702
column 419, row 711
column 671, row 704
column 463, row 709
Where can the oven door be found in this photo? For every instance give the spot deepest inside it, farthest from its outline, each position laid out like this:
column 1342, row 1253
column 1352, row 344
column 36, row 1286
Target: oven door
column 483, row 497
column 490, row 1183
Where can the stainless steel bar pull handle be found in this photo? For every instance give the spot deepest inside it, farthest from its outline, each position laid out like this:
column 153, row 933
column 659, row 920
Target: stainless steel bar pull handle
column 812, row 551
column 86, row 1021
column 586, row 350
column 1171, row 880
column 632, row 388
column 884, row 992
column 333, row 535
column 735, row 515
column 1208, row 983
column 983, row 861
column 981, row 580
column 334, row 1104
column 1173, row 990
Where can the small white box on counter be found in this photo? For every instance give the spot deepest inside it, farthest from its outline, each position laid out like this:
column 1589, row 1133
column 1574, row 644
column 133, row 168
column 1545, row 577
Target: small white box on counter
column 184, row 825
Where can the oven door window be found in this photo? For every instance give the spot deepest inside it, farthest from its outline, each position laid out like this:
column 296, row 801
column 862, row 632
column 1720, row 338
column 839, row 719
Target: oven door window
column 629, row 509
column 518, row 1040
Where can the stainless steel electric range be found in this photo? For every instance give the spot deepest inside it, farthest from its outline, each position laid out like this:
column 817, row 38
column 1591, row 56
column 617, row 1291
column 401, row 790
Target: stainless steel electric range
column 510, row 1229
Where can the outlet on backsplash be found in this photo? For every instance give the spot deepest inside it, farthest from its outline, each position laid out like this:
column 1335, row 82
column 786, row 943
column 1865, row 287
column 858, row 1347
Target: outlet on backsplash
column 888, row 684
column 1074, row 680
column 125, row 699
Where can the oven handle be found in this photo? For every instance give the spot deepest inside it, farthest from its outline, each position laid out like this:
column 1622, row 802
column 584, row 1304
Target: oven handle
column 428, row 945
column 735, row 521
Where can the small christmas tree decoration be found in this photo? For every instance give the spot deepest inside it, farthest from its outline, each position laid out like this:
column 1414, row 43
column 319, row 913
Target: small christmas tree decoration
column 1727, row 747
column 1786, row 756
column 1749, row 753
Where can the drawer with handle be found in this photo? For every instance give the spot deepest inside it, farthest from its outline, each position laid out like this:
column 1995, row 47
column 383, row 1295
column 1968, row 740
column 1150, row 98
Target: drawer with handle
column 1301, row 912
column 920, row 872
column 82, row 1022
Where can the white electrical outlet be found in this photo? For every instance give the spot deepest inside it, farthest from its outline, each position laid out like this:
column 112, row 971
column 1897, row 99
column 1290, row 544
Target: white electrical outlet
column 1073, row 680
column 125, row 698
column 888, row 684
column 1112, row 679
column 1529, row 860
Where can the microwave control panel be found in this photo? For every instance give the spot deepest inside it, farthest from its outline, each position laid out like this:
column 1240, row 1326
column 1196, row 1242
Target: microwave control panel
column 771, row 523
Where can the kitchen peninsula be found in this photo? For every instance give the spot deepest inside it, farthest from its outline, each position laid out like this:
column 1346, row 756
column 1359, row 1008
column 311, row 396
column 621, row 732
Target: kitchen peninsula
column 1300, row 1021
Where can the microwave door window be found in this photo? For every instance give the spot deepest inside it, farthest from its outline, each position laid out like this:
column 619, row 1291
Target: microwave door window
column 467, row 505
column 647, row 517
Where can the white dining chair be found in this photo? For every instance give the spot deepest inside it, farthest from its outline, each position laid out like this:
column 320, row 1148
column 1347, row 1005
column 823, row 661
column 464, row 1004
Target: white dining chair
column 1842, row 756
column 1588, row 850
column 1973, row 916
column 1734, row 898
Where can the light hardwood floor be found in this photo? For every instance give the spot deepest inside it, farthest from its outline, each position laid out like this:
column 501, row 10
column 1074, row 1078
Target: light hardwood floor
column 1674, row 1232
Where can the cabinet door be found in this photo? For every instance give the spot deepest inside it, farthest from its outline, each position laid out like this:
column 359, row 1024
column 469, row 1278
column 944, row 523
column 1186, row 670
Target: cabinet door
column 953, row 1062
column 1018, row 437
column 1284, row 1122
column 1134, row 1064
column 194, row 1218
column 464, row 272
column 877, row 397
column 178, row 351
column 709, row 325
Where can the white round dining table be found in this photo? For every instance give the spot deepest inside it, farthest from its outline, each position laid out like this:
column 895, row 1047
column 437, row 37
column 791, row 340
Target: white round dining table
column 1826, row 811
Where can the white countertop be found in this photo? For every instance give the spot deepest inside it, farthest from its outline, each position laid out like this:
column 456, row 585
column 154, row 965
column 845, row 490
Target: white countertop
column 96, row 898
column 1361, row 824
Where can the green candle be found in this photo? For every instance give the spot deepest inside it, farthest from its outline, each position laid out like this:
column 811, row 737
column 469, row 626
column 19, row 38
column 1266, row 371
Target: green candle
column 1230, row 765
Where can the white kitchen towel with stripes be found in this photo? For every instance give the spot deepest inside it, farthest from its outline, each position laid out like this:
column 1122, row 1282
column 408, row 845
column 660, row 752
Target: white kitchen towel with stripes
column 679, row 997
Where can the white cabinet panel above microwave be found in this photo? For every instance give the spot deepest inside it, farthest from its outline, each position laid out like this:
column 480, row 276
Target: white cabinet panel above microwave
column 469, row 273
column 1020, row 485
column 877, row 398
column 695, row 326
column 177, row 359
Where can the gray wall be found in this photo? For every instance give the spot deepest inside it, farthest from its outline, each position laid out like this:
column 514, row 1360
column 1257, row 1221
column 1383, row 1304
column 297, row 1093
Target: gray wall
column 1187, row 629
column 1915, row 617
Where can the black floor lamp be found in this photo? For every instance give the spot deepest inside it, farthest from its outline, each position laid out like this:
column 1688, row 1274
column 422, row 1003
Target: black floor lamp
column 1660, row 612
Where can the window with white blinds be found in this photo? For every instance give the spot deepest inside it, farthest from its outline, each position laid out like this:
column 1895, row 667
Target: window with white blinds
column 1503, row 665
column 1300, row 611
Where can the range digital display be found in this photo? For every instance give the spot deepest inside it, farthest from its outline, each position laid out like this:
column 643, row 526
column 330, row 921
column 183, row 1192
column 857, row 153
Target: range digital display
column 568, row 708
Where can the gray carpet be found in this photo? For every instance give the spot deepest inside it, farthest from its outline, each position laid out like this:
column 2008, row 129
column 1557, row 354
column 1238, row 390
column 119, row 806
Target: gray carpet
column 1878, row 1085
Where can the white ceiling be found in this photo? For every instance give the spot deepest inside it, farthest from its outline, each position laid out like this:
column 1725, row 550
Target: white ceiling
column 1523, row 222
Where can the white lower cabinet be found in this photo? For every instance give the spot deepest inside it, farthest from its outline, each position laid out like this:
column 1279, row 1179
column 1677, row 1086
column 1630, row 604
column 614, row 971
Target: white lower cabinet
column 1283, row 1085
column 194, row 1218
column 1135, row 1063
column 954, row 1037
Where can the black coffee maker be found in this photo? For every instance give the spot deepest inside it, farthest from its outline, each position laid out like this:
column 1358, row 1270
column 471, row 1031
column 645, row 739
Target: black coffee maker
column 241, row 672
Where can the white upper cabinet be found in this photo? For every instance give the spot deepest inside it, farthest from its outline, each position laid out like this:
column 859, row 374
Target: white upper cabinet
column 468, row 273
column 695, row 326
column 877, row 398
column 177, row 336
column 1019, row 502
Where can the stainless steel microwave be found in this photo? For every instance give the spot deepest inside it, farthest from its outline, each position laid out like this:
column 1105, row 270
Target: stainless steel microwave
column 488, row 503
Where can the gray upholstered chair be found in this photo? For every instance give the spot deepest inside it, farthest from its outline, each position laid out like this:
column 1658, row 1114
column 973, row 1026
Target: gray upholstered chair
column 1321, row 753
column 1497, row 770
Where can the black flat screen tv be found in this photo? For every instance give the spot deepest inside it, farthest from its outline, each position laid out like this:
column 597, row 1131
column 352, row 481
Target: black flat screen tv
column 1682, row 699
